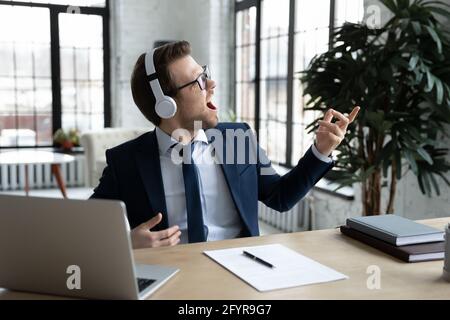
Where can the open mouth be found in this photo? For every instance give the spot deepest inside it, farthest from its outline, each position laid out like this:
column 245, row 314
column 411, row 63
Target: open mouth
column 211, row 106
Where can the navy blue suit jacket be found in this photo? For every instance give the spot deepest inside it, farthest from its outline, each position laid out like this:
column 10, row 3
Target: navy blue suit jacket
column 133, row 175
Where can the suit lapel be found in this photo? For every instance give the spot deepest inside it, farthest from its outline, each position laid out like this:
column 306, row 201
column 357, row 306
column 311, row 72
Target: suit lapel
column 150, row 169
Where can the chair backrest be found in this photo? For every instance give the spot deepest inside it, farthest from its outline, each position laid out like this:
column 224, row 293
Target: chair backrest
column 95, row 143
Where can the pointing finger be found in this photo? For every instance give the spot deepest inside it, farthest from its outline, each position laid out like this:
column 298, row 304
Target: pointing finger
column 354, row 113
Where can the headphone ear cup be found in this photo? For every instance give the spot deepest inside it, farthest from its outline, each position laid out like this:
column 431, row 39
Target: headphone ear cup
column 166, row 108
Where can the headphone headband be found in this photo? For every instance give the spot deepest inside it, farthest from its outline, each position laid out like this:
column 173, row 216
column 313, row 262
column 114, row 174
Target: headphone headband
column 152, row 76
column 149, row 64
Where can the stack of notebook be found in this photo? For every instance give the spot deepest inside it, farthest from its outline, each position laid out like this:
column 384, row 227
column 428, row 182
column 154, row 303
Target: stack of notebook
column 400, row 237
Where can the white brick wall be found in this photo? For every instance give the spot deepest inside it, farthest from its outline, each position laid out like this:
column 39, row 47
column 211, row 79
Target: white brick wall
column 137, row 24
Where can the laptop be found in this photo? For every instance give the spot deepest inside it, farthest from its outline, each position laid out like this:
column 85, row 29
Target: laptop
column 76, row 248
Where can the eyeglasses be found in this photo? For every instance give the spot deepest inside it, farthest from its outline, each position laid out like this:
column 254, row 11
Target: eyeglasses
column 201, row 79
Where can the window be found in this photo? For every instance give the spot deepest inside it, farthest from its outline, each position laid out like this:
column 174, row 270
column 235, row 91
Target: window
column 245, row 64
column 273, row 78
column 311, row 37
column 25, row 77
column 81, row 52
column 275, row 40
column 55, row 70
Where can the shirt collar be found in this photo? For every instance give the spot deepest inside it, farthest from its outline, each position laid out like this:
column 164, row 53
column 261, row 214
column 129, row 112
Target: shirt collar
column 165, row 141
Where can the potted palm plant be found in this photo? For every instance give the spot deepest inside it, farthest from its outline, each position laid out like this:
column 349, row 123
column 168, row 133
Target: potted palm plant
column 399, row 73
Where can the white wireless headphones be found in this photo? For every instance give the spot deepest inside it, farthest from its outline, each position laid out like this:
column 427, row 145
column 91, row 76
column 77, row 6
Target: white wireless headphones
column 165, row 107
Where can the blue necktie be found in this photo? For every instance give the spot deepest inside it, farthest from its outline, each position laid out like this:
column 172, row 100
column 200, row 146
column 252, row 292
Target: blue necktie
column 196, row 229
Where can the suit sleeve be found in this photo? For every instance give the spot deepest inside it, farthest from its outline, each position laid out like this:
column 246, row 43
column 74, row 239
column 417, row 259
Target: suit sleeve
column 281, row 193
column 108, row 187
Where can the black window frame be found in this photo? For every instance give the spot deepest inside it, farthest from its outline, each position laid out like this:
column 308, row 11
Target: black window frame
column 54, row 11
column 247, row 4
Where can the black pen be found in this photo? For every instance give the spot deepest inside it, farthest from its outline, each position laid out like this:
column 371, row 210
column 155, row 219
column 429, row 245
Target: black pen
column 253, row 257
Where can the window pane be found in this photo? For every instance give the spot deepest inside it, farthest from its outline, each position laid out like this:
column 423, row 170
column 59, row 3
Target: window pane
column 245, row 103
column 12, row 18
column 80, row 31
column 348, row 11
column 81, row 3
column 25, row 77
column 274, row 53
column 43, row 68
column 96, row 97
column 245, row 65
column 273, row 140
column 273, row 118
column 96, row 64
column 43, row 103
column 82, row 90
column 275, row 18
column 246, row 26
column 273, row 84
column 7, row 58
column 67, row 63
column 311, row 38
column 310, row 16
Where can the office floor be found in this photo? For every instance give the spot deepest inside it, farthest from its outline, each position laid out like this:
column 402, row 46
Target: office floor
column 84, row 193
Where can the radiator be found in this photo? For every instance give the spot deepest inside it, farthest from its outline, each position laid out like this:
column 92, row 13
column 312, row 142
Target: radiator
column 299, row 218
column 12, row 177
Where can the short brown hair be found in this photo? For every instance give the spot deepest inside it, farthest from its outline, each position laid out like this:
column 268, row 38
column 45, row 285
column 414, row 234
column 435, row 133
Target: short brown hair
column 140, row 87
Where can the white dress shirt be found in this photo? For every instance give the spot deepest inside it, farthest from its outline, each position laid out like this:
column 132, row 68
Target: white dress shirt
column 219, row 212
column 319, row 155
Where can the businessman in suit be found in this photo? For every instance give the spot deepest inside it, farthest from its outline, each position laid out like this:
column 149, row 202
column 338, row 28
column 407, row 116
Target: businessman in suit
column 169, row 202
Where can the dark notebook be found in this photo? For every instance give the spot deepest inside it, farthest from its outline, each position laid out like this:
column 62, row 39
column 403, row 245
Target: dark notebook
column 409, row 253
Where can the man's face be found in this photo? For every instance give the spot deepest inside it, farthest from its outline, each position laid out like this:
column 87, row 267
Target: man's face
column 194, row 104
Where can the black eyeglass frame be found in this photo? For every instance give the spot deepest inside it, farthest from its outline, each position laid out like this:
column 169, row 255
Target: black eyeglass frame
column 206, row 73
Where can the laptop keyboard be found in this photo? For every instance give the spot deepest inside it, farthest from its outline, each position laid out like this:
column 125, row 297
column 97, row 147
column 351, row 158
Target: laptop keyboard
column 144, row 283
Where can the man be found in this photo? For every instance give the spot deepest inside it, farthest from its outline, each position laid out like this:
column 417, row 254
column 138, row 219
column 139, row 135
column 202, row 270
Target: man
column 169, row 202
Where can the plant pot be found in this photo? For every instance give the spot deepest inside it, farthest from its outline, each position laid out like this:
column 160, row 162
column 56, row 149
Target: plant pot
column 67, row 145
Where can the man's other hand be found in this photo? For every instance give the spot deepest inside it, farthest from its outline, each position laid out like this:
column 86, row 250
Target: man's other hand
column 142, row 237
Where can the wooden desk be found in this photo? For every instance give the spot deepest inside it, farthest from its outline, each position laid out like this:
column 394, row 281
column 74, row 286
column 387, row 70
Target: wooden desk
column 202, row 278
